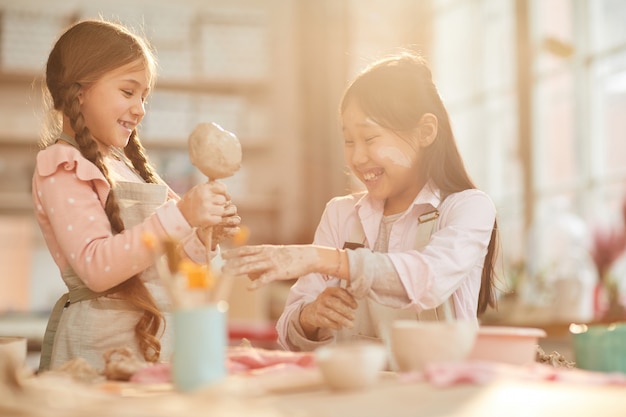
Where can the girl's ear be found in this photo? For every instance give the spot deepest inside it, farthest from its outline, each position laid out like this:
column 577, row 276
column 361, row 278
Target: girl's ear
column 427, row 129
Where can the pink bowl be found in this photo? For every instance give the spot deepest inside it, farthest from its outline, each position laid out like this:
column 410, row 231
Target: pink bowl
column 513, row 345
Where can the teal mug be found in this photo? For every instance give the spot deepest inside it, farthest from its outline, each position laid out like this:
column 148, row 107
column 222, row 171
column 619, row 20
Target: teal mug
column 200, row 345
column 600, row 347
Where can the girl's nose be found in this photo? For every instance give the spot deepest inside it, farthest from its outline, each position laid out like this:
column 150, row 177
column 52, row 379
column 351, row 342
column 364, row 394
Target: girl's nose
column 359, row 154
column 138, row 108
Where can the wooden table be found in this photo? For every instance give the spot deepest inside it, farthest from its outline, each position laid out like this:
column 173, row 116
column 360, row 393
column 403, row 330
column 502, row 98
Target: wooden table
column 502, row 399
column 250, row 396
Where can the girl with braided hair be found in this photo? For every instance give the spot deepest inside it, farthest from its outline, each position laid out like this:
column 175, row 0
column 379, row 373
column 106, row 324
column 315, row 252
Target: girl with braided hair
column 96, row 196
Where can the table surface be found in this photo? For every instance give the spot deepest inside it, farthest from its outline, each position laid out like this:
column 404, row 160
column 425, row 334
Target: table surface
column 504, row 398
column 266, row 396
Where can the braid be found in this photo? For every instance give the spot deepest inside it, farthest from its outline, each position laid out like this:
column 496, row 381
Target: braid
column 136, row 153
column 132, row 290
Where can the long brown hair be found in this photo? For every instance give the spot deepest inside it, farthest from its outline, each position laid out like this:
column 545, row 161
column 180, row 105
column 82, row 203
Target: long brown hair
column 81, row 56
column 396, row 91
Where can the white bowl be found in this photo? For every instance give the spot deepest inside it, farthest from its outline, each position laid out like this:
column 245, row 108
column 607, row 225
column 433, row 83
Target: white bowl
column 414, row 344
column 353, row 365
column 513, row 345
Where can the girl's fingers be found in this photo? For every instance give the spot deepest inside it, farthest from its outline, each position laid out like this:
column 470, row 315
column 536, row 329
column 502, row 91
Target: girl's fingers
column 346, row 298
column 230, row 209
column 241, row 252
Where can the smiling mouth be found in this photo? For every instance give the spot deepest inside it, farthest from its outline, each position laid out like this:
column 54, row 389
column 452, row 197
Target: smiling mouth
column 127, row 125
column 372, row 175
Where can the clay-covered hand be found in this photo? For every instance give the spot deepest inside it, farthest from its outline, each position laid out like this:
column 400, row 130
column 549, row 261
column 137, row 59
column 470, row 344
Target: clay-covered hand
column 267, row 263
column 227, row 228
column 203, row 205
column 333, row 309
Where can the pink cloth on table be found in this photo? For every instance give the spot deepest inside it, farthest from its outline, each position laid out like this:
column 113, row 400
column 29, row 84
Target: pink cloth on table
column 244, row 359
column 483, row 372
column 240, row 360
column 153, row 374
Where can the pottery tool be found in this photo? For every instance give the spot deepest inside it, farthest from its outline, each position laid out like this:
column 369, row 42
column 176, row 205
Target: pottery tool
column 216, row 153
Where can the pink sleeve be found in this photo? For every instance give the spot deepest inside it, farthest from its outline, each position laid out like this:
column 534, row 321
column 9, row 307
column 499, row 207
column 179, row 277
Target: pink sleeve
column 191, row 246
column 69, row 192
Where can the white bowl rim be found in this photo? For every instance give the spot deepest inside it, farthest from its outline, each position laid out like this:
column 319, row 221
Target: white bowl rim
column 511, row 331
column 418, row 323
column 348, row 348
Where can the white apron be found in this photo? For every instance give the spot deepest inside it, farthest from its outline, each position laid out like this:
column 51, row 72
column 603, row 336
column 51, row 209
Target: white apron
column 373, row 320
column 86, row 324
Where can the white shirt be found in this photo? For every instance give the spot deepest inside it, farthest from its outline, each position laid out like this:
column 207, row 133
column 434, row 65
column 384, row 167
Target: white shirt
column 449, row 266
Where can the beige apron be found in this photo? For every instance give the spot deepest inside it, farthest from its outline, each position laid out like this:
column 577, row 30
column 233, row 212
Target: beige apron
column 85, row 324
column 373, row 320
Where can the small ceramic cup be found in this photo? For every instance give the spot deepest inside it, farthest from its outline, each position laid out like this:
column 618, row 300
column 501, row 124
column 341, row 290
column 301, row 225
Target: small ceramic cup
column 351, row 365
column 200, row 344
column 14, row 347
column 414, row 344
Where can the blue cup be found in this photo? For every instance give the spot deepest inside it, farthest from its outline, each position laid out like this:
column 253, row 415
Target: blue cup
column 200, row 343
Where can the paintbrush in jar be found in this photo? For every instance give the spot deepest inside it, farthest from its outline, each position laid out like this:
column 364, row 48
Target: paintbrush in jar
column 163, row 271
column 224, row 284
column 198, row 284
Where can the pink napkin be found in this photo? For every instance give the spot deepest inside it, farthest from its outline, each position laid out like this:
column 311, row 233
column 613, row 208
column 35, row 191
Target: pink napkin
column 483, row 372
column 249, row 359
column 240, row 360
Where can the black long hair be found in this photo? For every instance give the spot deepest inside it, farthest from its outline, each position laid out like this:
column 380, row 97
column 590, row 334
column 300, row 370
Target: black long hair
column 395, row 92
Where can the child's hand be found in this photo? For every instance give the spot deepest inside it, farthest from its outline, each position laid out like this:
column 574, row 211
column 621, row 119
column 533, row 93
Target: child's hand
column 267, row 263
column 203, row 205
column 333, row 309
column 228, row 227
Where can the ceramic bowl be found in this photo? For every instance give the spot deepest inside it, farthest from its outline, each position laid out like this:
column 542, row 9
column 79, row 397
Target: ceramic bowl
column 599, row 347
column 349, row 366
column 414, row 344
column 506, row 344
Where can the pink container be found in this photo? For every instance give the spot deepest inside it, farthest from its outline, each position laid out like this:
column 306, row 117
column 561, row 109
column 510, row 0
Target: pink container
column 513, row 345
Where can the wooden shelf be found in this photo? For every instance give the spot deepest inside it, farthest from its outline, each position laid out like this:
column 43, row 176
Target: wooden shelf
column 12, row 77
column 31, row 143
column 217, row 86
column 191, row 85
column 255, row 145
column 15, row 202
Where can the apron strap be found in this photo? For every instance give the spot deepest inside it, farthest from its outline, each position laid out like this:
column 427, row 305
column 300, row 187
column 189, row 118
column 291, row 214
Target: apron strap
column 75, row 295
column 425, row 228
column 67, row 138
column 51, row 330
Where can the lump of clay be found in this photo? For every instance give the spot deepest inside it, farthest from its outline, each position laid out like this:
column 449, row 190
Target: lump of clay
column 79, row 370
column 121, row 363
column 214, row 151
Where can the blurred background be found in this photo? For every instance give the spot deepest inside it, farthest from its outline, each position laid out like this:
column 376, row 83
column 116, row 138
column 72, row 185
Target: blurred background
column 536, row 91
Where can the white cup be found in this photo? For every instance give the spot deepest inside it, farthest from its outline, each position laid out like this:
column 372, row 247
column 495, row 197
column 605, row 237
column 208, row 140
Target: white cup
column 414, row 344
